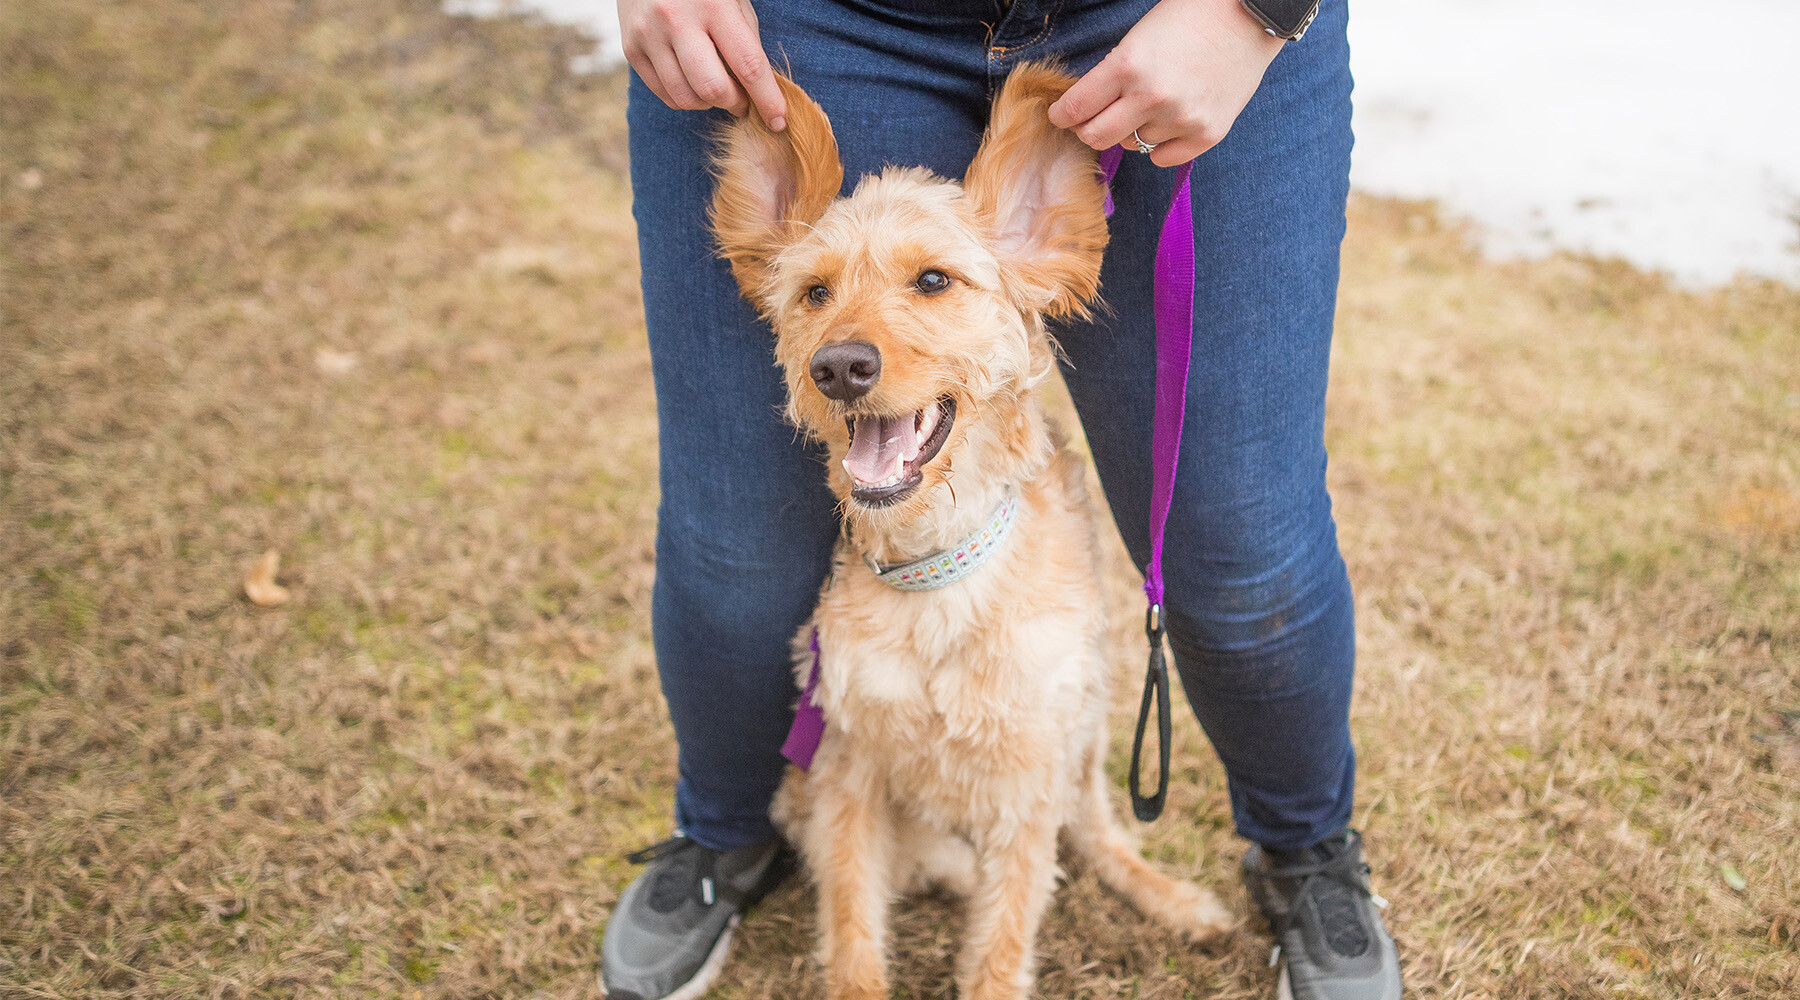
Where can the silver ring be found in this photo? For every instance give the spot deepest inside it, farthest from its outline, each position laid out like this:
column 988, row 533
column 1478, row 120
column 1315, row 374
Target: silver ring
column 1143, row 147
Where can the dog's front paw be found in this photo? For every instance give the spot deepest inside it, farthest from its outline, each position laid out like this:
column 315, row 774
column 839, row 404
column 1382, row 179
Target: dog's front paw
column 1196, row 912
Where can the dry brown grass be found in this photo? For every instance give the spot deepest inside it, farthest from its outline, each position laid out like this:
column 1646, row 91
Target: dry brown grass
column 354, row 280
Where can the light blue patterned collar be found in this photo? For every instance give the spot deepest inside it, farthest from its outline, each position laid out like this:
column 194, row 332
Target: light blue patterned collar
column 944, row 568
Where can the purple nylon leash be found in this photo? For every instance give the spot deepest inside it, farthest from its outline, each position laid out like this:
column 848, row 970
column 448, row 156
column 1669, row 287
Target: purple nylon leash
column 1174, row 295
column 809, row 719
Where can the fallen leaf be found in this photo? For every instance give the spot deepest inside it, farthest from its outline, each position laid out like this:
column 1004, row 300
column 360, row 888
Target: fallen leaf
column 1732, row 876
column 260, row 585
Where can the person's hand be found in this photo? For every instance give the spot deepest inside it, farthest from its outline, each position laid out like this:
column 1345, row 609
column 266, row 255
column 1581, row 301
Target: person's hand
column 1179, row 76
column 698, row 54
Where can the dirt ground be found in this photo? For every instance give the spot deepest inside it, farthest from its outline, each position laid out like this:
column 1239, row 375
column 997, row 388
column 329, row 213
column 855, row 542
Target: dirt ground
column 356, row 281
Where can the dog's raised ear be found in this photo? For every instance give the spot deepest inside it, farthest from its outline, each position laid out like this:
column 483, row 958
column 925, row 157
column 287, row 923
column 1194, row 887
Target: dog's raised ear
column 1039, row 187
column 772, row 183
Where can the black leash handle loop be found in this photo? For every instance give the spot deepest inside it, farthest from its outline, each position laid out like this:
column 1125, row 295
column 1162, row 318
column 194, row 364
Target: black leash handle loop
column 1156, row 685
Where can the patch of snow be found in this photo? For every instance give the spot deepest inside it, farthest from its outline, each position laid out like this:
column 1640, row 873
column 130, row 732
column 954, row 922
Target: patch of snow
column 599, row 17
column 1664, row 133
column 1659, row 131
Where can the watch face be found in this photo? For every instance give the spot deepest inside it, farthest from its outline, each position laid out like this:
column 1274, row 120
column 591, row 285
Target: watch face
column 1284, row 18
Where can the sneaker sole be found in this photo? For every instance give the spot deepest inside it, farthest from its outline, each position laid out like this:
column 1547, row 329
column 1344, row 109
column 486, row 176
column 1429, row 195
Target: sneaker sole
column 703, row 977
column 1284, row 988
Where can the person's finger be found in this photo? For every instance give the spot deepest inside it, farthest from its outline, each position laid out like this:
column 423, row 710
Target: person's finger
column 1188, row 138
column 1155, row 132
column 1178, row 151
column 646, row 71
column 706, row 75
column 668, row 68
column 1113, row 125
column 743, row 53
column 1089, row 96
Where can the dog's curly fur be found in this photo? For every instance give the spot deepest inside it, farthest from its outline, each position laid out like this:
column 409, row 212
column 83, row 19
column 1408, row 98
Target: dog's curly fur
column 967, row 725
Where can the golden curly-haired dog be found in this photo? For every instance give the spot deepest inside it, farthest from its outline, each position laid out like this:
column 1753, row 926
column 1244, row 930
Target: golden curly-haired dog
column 966, row 724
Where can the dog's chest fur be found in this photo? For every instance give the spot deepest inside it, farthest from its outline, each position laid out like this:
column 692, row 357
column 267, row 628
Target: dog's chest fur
column 972, row 702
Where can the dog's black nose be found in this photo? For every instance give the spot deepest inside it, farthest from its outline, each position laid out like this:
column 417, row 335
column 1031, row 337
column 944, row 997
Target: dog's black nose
column 846, row 369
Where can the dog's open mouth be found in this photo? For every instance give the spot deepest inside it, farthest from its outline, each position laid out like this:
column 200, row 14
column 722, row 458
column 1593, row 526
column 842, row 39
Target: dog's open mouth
column 887, row 454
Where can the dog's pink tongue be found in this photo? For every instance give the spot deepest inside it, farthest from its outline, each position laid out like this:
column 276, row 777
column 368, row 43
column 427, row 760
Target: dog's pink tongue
column 880, row 447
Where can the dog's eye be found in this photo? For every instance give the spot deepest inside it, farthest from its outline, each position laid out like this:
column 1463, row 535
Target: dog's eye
column 818, row 295
column 932, row 282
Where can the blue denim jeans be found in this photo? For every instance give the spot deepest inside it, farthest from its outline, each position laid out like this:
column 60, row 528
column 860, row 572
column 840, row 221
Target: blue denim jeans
column 1259, row 607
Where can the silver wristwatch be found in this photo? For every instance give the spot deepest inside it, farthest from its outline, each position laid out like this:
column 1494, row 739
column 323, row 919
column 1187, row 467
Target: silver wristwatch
column 1287, row 19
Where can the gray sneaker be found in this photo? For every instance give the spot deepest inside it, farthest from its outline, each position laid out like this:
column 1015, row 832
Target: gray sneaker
column 671, row 930
column 1329, row 939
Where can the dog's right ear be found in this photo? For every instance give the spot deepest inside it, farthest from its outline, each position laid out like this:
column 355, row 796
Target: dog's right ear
column 772, row 184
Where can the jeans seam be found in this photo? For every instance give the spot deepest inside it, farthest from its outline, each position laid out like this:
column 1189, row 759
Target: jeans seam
column 997, row 53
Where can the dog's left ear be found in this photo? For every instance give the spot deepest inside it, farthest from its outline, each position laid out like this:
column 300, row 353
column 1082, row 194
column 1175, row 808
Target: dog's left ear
column 772, row 184
column 1039, row 187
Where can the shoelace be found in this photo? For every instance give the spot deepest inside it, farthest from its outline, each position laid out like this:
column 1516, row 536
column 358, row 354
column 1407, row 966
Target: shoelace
column 675, row 883
column 1341, row 870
